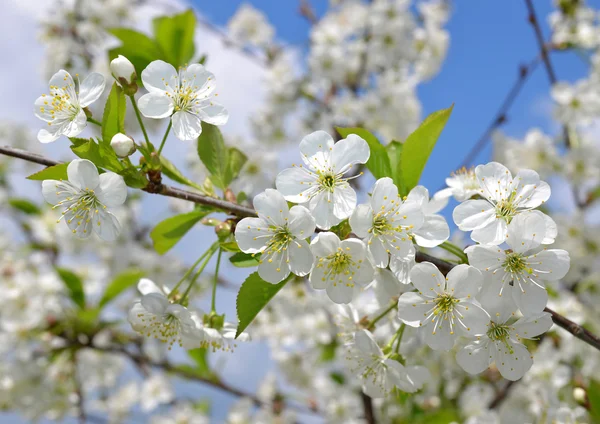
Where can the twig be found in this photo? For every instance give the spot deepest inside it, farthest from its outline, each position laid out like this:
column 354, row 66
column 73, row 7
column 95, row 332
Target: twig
column 501, row 395
column 444, row 266
column 368, row 408
column 307, row 11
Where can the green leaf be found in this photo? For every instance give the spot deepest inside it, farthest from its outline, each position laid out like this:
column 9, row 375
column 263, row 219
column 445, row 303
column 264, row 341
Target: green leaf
column 342, row 230
column 113, row 120
column 235, row 162
column 418, row 146
column 134, row 178
column 24, row 206
column 175, row 174
column 593, row 393
column 245, row 260
column 328, row 351
column 253, row 296
column 379, row 162
column 137, row 47
column 56, row 172
column 74, row 285
column 168, row 232
column 175, row 36
column 102, row 155
column 120, row 283
column 199, row 355
column 230, row 246
column 394, row 151
column 213, row 153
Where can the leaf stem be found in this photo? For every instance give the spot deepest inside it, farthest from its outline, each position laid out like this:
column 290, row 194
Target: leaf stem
column 215, row 282
column 139, row 118
column 455, row 250
column 384, row 313
column 93, row 121
column 162, row 144
column 189, row 271
column 210, row 252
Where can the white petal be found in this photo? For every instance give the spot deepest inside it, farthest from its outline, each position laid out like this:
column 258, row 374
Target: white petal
column 50, row 133
column 539, row 195
column 156, row 105
column 213, row 113
column 344, row 201
column 79, row 225
column 55, row 191
column 531, row 300
column 417, row 376
column 437, row 202
column 295, row 184
column 386, row 286
column 349, row 151
column 321, row 207
column 301, row 223
column 485, row 258
column 551, row 228
column 324, row 244
column 75, row 126
column 526, row 231
column 300, row 257
column 147, row 286
column 495, row 180
column 361, row 220
column 474, row 318
column 513, row 363
column 91, row 89
column 61, row 79
column 384, row 191
column 155, row 303
column 474, row 358
column 380, row 254
column 552, row 264
column 112, row 190
column 316, row 150
column 419, row 195
column 186, row 126
column 251, row 235
column 355, row 248
column 42, row 108
column 427, row 279
column 412, row 309
column 106, row 225
column 433, row 232
column 273, row 268
column 363, row 273
column 441, row 339
column 157, row 74
column 410, row 213
column 473, row 214
column 272, row 207
column 340, row 293
column 83, row 174
column 464, row 281
column 493, row 233
column 401, row 267
column 533, row 326
column 317, row 277
column 366, row 343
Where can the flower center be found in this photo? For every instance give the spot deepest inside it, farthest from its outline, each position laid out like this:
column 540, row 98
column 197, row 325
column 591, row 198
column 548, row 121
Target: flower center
column 327, row 181
column 444, row 304
column 498, row 332
column 515, row 263
column 381, row 226
column 339, row 262
column 81, row 208
column 280, row 240
column 506, row 209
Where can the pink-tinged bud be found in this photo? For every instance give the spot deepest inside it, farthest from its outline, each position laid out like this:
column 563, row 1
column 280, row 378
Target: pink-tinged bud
column 122, row 145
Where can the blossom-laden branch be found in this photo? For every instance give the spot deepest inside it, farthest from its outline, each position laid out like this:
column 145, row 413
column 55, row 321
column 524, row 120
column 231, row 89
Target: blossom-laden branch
column 575, row 329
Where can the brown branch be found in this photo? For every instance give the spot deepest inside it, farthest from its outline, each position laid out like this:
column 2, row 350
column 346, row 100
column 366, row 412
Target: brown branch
column 368, row 408
column 575, row 329
column 501, row 395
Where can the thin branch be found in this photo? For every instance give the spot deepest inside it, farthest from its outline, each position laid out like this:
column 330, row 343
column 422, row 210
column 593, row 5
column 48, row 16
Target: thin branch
column 501, row 395
column 444, row 266
column 368, row 408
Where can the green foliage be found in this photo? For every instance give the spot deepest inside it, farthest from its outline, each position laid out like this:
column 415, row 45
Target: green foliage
column 133, row 178
column 394, row 151
column 253, row 296
column 74, row 285
column 56, row 172
column 593, row 393
column 102, row 155
column 119, row 284
column 25, row 206
column 244, row 260
column 175, row 174
column 173, row 42
column 328, row 351
column 168, row 232
column 230, row 246
column 342, row 230
column 200, row 357
column 379, row 162
column 113, row 120
column 235, row 162
column 418, row 147
column 175, row 37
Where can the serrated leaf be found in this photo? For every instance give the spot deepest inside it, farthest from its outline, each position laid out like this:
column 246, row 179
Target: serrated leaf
column 379, row 162
column 134, row 178
column 102, row 155
column 113, row 120
column 253, row 296
column 175, row 174
column 245, row 260
column 56, row 172
column 119, row 284
column 137, row 47
column 25, row 206
column 213, row 153
column 175, row 36
column 74, row 286
column 168, row 232
column 419, row 145
column 235, row 162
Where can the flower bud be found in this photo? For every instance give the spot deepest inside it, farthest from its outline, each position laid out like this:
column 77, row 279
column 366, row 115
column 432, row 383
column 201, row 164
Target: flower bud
column 579, row 395
column 124, row 72
column 122, row 145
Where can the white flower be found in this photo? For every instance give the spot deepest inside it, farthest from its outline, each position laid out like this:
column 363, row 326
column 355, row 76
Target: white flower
column 434, row 230
column 504, row 198
column 63, row 108
column 123, row 70
column 462, row 184
column 521, row 269
column 223, row 338
column 379, row 373
column 249, row 25
column 385, row 223
column 502, row 342
column 186, row 93
column 279, row 234
column 155, row 316
column 444, row 307
column 321, row 183
column 339, row 266
column 122, row 145
column 156, row 390
column 85, row 198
